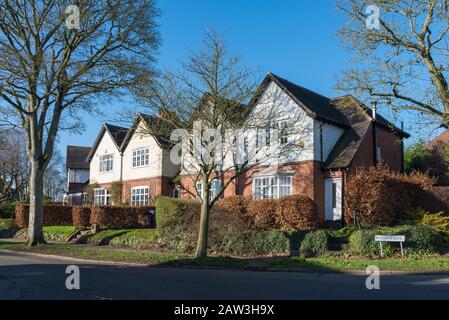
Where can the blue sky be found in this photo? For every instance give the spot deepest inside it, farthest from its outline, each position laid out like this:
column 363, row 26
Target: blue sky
column 294, row 39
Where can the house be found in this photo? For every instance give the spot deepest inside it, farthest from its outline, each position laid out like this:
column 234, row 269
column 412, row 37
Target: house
column 77, row 175
column 135, row 159
column 442, row 138
column 339, row 135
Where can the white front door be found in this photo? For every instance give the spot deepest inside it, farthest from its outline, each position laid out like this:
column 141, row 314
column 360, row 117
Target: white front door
column 333, row 197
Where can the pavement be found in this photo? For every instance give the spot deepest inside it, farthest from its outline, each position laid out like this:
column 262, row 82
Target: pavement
column 33, row 277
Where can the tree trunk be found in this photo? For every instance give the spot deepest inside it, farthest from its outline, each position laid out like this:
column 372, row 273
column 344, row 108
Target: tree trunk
column 35, row 224
column 201, row 249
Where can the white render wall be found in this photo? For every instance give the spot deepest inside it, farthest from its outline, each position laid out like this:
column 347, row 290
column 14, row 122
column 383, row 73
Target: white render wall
column 331, row 135
column 105, row 147
column 159, row 164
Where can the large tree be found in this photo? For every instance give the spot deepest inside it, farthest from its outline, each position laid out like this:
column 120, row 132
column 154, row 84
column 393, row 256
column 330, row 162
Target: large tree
column 403, row 60
column 209, row 108
column 56, row 65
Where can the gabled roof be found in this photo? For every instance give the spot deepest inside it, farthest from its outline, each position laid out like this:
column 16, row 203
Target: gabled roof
column 117, row 134
column 442, row 138
column 315, row 105
column 360, row 119
column 76, row 157
column 157, row 128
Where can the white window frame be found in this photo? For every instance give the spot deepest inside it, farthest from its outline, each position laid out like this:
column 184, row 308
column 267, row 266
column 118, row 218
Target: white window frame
column 141, row 158
column 140, row 196
column 213, row 192
column 106, row 163
column 272, row 187
column 102, row 197
column 282, row 127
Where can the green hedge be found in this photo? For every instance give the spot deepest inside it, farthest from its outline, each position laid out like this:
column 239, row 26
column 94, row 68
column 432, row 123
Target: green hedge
column 418, row 239
column 7, row 224
column 7, row 210
column 315, row 244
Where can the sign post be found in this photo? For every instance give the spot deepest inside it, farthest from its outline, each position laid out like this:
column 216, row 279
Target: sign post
column 383, row 238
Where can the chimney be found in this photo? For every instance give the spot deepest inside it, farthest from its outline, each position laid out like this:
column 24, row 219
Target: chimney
column 374, row 109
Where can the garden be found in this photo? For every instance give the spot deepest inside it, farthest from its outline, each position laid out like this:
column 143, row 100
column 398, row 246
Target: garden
column 281, row 234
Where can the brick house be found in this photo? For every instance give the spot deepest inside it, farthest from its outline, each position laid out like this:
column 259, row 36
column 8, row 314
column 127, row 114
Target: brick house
column 133, row 157
column 340, row 134
column 77, row 175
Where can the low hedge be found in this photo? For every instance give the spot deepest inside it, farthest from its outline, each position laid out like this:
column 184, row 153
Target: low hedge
column 263, row 214
column 120, row 217
column 53, row 215
column 418, row 239
column 7, row 210
column 315, row 243
column 81, row 216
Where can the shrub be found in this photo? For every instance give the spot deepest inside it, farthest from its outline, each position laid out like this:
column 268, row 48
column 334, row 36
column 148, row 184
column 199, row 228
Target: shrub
column 315, row 243
column 120, row 217
column 418, row 239
column 381, row 197
column 296, row 213
column 7, row 224
column 7, row 210
column 439, row 221
column 81, row 216
column 234, row 204
column 53, row 215
column 263, row 214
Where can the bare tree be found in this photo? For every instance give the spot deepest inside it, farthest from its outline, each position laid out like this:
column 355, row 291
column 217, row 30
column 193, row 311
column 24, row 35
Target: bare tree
column 225, row 124
column 54, row 178
column 51, row 70
column 404, row 62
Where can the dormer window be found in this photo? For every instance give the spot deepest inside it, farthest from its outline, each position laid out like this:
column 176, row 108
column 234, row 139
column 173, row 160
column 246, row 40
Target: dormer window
column 106, row 163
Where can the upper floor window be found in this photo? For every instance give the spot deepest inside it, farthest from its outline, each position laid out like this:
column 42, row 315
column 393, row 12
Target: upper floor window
column 141, row 158
column 140, row 196
column 102, row 197
column 273, row 187
column 106, row 163
column 283, row 132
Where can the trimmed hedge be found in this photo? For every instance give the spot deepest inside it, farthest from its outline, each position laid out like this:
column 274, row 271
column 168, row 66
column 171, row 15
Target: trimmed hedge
column 235, row 204
column 315, row 243
column 7, row 210
column 120, row 217
column 263, row 214
column 53, row 215
column 296, row 213
column 420, row 239
column 81, row 216
column 382, row 197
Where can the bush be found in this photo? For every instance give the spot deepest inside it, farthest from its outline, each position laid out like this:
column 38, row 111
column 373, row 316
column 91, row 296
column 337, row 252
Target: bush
column 296, row 213
column 234, row 204
column 263, row 214
column 7, row 210
column 439, row 221
column 419, row 239
column 53, row 215
column 120, row 217
column 7, row 224
column 381, row 197
column 315, row 244
column 81, row 216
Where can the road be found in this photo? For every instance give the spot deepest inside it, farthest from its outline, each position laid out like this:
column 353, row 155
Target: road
column 28, row 277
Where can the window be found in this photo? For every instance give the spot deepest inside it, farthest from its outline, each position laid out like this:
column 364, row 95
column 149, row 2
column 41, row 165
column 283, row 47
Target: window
column 378, row 153
column 283, row 133
column 141, row 158
column 140, row 196
column 177, row 192
column 215, row 188
column 334, row 195
column 272, row 187
column 102, row 197
column 106, row 163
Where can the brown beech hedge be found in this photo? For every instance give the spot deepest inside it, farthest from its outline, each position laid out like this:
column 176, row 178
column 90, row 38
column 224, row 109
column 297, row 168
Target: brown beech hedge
column 53, row 215
column 378, row 196
column 120, row 217
column 296, row 213
column 81, row 216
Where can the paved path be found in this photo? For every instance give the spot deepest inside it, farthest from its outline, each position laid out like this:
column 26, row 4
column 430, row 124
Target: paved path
column 27, row 277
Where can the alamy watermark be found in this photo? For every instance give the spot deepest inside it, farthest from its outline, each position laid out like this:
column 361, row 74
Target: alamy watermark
column 373, row 280
column 373, row 20
column 72, row 21
column 73, row 280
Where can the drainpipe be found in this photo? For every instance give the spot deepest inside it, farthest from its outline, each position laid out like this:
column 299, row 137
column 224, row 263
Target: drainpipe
column 321, row 143
column 374, row 109
column 402, row 149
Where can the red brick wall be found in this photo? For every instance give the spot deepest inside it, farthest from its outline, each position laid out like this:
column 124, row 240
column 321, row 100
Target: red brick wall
column 391, row 150
column 158, row 186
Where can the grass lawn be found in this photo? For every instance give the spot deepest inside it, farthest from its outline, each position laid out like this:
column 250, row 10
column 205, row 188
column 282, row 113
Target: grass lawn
column 127, row 256
column 58, row 233
column 133, row 238
column 332, row 264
